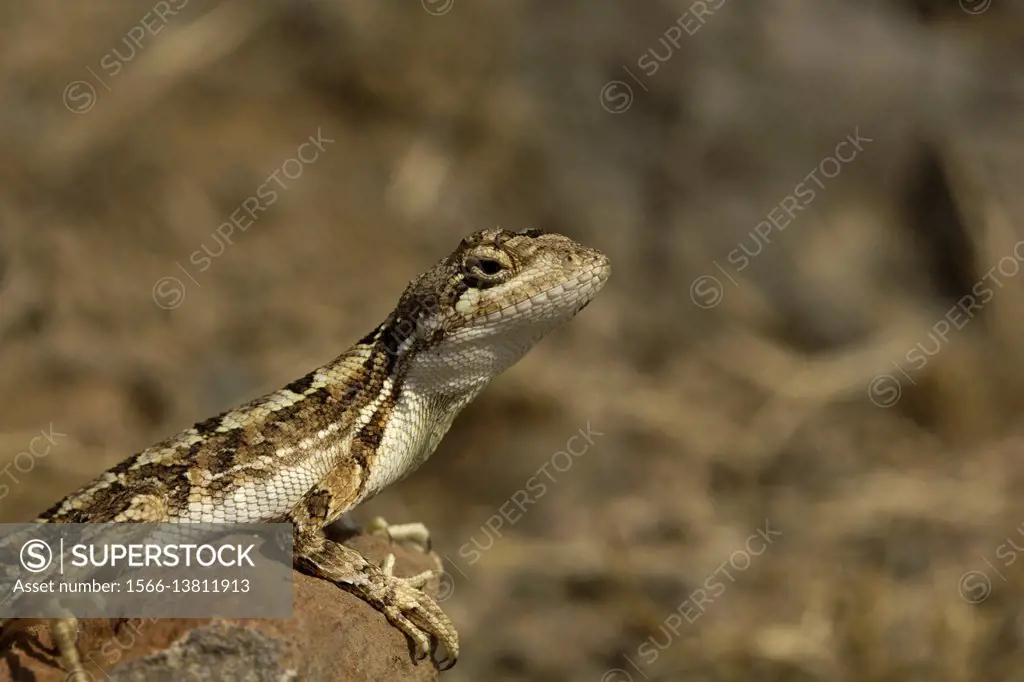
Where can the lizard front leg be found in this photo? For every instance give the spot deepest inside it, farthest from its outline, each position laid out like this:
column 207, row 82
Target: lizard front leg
column 401, row 600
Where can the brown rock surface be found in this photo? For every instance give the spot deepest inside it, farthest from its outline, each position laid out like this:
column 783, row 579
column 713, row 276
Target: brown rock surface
column 333, row 637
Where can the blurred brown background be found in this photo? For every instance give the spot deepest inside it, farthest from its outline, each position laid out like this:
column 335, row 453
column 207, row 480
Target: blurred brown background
column 831, row 388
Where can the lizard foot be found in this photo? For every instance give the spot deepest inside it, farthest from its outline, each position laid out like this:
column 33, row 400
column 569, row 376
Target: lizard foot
column 415, row 613
column 415, row 534
column 401, row 600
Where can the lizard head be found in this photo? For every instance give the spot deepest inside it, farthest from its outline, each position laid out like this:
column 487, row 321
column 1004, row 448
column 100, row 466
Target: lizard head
column 482, row 308
column 530, row 279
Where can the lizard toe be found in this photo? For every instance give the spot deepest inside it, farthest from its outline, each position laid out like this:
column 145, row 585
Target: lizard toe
column 420, row 639
column 418, row 616
column 413, row 534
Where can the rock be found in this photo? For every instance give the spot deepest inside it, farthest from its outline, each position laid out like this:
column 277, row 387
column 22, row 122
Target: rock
column 333, row 636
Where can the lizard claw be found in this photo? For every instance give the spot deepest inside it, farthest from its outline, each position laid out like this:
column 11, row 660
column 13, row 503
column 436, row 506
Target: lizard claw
column 416, row 614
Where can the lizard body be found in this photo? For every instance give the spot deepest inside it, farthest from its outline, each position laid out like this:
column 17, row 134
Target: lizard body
column 326, row 442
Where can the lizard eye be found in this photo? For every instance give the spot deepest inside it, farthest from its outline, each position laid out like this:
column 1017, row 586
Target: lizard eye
column 488, row 266
column 483, row 271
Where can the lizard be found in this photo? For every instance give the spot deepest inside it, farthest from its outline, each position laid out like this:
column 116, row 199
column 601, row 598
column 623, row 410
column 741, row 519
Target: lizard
column 314, row 450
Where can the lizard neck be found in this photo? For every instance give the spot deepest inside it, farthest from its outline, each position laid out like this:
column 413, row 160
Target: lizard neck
column 423, row 409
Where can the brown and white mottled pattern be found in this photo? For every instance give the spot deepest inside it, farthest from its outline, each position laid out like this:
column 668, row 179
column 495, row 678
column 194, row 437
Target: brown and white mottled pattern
column 326, row 442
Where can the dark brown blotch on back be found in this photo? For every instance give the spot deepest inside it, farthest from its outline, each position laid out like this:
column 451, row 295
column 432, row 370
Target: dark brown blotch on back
column 302, row 385
column 208, row 427
column 321, row 397
column 105, row 505
column 137, row 479
column 217, row 452
column 220, row 460
column 370, row 338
